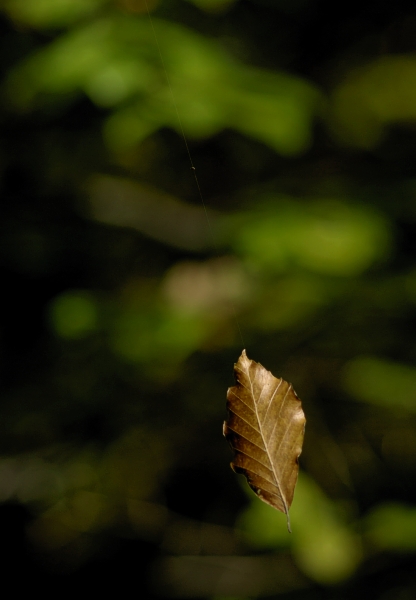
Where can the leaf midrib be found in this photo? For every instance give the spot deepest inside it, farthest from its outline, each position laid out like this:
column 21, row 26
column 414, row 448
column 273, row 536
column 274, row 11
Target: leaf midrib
column 266, row 445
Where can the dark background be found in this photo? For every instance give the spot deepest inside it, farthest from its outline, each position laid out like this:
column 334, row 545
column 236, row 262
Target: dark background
column 128, row 296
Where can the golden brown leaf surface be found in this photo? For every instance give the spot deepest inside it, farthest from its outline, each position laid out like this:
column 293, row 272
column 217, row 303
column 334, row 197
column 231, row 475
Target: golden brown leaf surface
column 265, row 428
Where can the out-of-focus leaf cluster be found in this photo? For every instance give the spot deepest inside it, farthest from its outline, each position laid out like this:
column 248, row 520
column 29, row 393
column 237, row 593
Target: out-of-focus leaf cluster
column 115, row 60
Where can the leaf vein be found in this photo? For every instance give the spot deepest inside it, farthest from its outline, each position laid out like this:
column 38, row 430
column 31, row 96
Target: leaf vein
column 246, row 438
column 240, row 417
column 241, row 400
column 255, row 459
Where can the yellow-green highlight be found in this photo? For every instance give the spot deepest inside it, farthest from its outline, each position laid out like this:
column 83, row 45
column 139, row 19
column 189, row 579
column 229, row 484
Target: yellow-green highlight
column 73, row 315
column 381, row 382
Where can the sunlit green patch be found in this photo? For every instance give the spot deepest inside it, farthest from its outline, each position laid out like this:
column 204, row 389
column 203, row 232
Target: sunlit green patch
column 381, row 382
column 331, row 237
column 50, row 13
column 371, row 97
column 116, row 62
column 73, row 315
column 151, row 335
column 323, row 546
column 392, row 527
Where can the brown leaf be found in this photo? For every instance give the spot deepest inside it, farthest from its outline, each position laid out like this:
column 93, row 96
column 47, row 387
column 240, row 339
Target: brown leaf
column 265, row 428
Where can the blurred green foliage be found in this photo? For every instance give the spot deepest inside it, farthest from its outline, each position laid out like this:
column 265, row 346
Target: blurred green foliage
column 322, row 545
column 330, row 237
column 382, row 382
column 392, row 527
column 372, row 97
column 115, row 61
column 128, row 299
column 50, row 13
column 73, row 315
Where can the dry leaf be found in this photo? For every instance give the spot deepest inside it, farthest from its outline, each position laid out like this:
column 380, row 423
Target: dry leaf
column 265, row 428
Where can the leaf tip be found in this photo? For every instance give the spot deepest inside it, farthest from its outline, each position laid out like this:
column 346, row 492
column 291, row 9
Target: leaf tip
column 243, row 360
